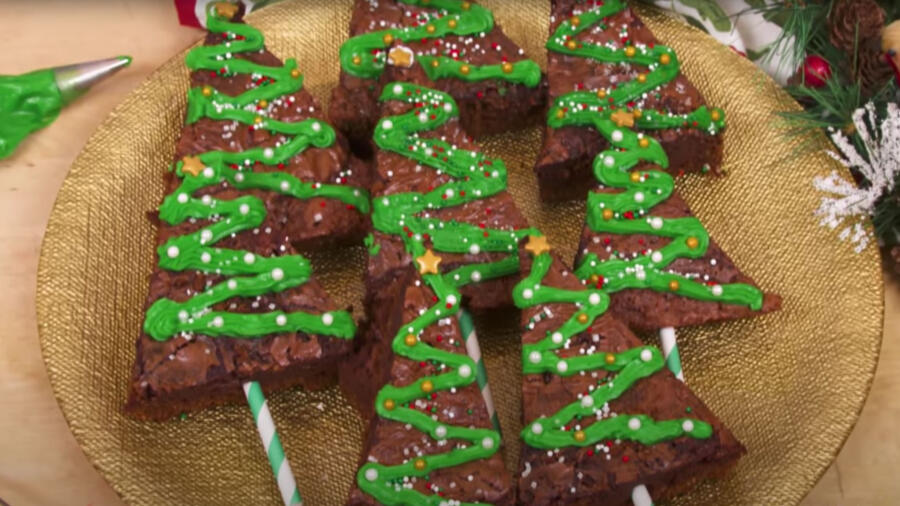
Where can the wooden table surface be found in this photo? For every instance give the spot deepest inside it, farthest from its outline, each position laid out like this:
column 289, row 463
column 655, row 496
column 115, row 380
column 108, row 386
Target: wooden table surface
column 40, row 462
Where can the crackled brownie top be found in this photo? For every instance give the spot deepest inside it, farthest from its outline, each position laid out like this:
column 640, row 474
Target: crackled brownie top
column 255, row 175
column 602, row 414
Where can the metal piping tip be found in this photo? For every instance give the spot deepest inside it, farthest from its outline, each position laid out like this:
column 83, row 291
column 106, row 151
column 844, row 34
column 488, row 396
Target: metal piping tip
column 73, row 80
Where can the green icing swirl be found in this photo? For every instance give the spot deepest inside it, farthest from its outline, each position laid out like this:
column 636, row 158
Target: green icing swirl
column 252, row 274
column 405, row 215
column 28, row 102
column 630, row 366
column 365, row 55
column 627, row 212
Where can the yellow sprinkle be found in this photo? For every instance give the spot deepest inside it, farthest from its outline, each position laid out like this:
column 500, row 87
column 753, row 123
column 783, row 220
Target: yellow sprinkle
column 692, row 242
column 430, row 28
column 410, row 340
column 465, row 70
column 579, row 436
column 607, row 214
column 427, row 386
column 207, row 91
column 629, row 51
column 673, row 285
column 644, row 142
column 610, row 358
column 388, row 38
column 389, row 404
column 451, row 23
column 571, row 44
column 420, row 464
column 636, row 176
column 295, row 73
column 665, row 59
column 507, row 68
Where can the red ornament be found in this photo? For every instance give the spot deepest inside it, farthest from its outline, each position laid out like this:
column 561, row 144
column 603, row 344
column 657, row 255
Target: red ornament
column 816, row 71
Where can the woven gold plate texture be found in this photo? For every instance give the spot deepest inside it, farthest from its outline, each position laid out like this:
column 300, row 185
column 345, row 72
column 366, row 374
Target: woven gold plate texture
column 790, row 384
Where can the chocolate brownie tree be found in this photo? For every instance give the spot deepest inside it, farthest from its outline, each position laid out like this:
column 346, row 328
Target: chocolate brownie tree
column 597, row 403
column 455, row 45
column 632, row 182
column 366, row 55
column 414, row 218
column 227, row 276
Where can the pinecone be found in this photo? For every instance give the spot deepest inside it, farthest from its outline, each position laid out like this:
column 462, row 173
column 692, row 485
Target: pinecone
column 852, row 20
column 872, row 69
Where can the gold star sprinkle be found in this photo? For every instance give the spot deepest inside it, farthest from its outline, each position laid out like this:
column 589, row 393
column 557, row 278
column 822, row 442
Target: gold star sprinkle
column 192, row 165
column 623, row 118
column 401, row 56
column 428, row 263
column 537, row 245
column 226, row 10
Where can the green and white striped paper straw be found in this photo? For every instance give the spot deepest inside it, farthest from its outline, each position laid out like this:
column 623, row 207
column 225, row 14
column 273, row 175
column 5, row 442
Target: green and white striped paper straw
column 640, row 496
column 467, row 327
column 266, row 428
column 670, row 351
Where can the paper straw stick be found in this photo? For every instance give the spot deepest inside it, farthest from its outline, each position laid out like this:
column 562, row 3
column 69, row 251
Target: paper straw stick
column 266, row 428
column 640, row 496
column 670, row 351
column 467, row 327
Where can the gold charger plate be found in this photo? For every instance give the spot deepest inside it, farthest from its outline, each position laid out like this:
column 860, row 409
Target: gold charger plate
column 790, row 385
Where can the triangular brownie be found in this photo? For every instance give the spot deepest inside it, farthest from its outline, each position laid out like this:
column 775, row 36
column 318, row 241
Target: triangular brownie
column 588, row 52
column 457, row 44
column 446, row 236
column 602, row 414
column 641, row 242
column 256, row 176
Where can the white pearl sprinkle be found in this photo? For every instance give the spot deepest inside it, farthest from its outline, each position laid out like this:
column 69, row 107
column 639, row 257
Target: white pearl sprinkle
column 634, row 424
column 244, row 209
column 537, row 428
column 182, row 197
column 239, row 177
column 557, row 337
column 440, row 431
column 448, row 107
column 639, row 197
column 232, row 284
column 534, row 357
column 487, row 442
column 285, row 186
column 465, row 371
column 316, row 126
column 172, row 251
column 609, row 161
column 206, row 199
column 205, row 236
column 208, row 172
column 476, row 276
column 527, row 293
column 717, row 290
column 371, row 474
column 474, row 249
column 656, row 223
column 646, row 355
column 249, row 258
column 398, row 89
column 641, row 275
column 281, row 320
column 205, row 257
column 587, row 401
column 268, row 152
column 687, row 426
column 562, row 366
column 387, row 124
column 277, row 274
column 617, row 136
column 327, row 318
column 217, row 321
column 183, row 315
column 451, row 299
column 594, row 298
column 656, row 256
